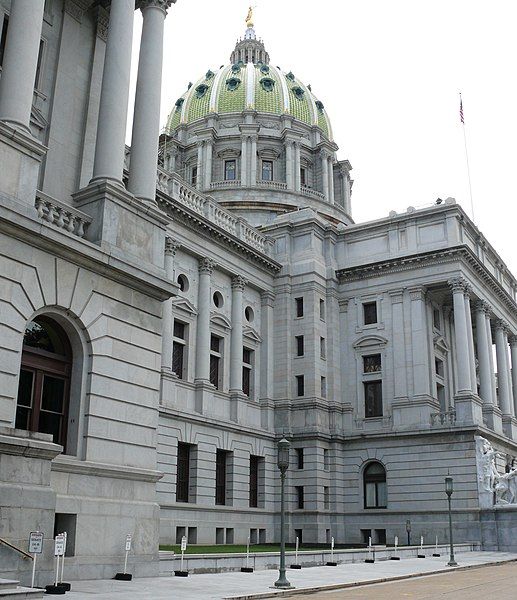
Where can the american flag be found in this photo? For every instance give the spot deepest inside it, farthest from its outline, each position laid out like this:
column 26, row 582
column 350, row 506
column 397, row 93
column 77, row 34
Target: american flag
column 461, row 111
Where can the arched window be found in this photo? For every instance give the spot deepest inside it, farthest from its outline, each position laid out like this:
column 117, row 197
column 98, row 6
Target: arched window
column 374, row 477
column 44, row 388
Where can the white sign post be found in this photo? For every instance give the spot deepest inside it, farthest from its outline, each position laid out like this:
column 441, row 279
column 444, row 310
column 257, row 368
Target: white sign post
column 35, row 548
column 421, row 552
column 247, row 568
column 395, row 555
column 63, row 559
column 436, row 553
column 183, row 548
column 296, row 551
column 59, row 550
column 129, row 538
column 331, row 562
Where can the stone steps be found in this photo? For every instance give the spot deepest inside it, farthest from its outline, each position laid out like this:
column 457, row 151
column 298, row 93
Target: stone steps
column 9, row 588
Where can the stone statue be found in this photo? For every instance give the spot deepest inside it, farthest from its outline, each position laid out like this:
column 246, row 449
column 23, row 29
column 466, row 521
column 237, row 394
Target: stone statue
column 249, row 18
column 506, row 488
column 490, row 482
column 489, row 472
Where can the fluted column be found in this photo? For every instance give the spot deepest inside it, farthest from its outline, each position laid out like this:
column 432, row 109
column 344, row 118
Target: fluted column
column 331, row 180
column 297, row 166
column 513, row 353
column 501, row 348
column 491, row 353
column 208, row 163
column 244, row 161
column 470, row 339
column 199, row 176
column 509, row 371
column 485, row 370
column 170, row 251
column 238, row 284
column 458, row 286
column 206, row 266
column 289, row 165
column 20, row 62
column 325, row 174
column 146, row 119
column 111, row 128
column 253, row 161
column 267, row 365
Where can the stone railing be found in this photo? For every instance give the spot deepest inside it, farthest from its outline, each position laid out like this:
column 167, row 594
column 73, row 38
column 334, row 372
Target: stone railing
column 307, row 191
column 274, row 185
column 233, row 183
column 443, row 418
column 61, row 215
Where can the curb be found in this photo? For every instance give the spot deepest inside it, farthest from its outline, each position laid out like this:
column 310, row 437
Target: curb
column 342, row 586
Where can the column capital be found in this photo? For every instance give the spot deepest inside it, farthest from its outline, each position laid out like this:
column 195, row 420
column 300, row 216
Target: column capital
column 512, row 340
column 396, row 296
column 162, row 4
column 171, row 245
column 502, row 325
column 483, row 306
column 417, row 293
column 458, row 284
column 206, row 265
column 343, row 304
column 238, row 283
column 267, row 298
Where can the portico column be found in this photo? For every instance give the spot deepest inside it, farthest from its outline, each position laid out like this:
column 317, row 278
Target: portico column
column 253, row 160
column 267, row 365
column 111, row 127
column 509, row 371
column 460, row 335
column 199, row 176
column 289, row 173
column 297, row 165
column 208, row 163
column 485, row 372
column 238, row 284
column 325, row 174
column 501, row 348
column 20, row 61
column 331, row 180
column 206, row 266
column 146, row 120
column 513, row 352
column 470, row 339
column 244, row 161
column 419, row 342
column 170, row 251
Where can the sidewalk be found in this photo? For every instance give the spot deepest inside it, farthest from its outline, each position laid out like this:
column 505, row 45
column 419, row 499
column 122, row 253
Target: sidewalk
column 258, row 585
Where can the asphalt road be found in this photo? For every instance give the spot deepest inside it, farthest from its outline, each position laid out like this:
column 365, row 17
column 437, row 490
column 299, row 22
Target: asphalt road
column 484, row 583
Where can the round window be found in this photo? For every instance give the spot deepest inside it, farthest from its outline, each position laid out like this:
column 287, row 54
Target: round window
column 218, row 299
column 249, row 314
column 183, row 283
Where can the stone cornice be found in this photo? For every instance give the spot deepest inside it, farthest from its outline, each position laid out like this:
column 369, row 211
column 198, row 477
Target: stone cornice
column 69, row 464
column 443, row 256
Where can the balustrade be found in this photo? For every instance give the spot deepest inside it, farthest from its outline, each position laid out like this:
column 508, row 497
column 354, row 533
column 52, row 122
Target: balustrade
column 61, row 215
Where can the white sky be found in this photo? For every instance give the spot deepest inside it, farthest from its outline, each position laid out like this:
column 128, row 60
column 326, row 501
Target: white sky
column 388, row 74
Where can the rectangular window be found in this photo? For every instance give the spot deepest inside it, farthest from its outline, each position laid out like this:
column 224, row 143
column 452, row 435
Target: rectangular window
column 215, row 361
column 299, row 307
column 323, row 387
column 221, row 457
column 303, row 176
column 372, row 399
column 438, row 367
column 299, row 496
column 370, row 313
column 326, row 459
column 323, row 348
column 230, row 171
column 267, row 170
column 299, row 345
column 372, row 363
column 193, row 176
column 183, row 473
column 247, row 367
column 3, row 38
column 300, row 385
column 322, row 310
column 178, row 348
column 299, row 457
column 326, row 498
column 37, row 79
column 436, row 319
column 254, row 480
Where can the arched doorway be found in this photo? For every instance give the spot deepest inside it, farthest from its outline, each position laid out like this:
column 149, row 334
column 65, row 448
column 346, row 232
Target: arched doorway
column 44, row 387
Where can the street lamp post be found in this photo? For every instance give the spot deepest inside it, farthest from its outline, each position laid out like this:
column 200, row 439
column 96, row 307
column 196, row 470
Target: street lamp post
column 283, row 465
column 408, row 530
column 448, row 491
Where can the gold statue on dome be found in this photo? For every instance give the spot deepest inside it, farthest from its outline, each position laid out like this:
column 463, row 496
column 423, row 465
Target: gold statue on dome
column 249, row 18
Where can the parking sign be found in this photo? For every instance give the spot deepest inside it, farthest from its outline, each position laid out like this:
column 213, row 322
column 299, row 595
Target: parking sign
column 36, row 542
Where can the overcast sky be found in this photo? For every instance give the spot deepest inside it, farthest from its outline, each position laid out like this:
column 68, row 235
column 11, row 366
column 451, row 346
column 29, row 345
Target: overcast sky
column 388, row 74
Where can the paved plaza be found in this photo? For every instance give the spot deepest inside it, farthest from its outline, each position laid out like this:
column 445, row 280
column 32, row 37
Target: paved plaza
column 320, row 579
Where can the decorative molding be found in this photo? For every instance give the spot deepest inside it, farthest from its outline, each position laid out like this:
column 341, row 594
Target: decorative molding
column 171, row 245
column 217, row 318
column 458, row 284
column 238, row 283
column 251, row 334
column 206, row 265
column 370, row 340
column 501, row 324
column 102, row 23
column 483, row 306
column 183, row 304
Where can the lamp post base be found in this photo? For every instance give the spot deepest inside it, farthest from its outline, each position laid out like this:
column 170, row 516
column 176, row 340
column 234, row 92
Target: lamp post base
column 281, row 587
column 452, row 563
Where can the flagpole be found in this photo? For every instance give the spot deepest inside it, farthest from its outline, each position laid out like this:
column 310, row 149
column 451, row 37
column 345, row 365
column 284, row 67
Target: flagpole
column 466, row 156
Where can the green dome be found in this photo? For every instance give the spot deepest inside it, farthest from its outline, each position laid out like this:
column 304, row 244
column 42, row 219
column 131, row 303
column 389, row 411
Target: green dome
column 261, row 87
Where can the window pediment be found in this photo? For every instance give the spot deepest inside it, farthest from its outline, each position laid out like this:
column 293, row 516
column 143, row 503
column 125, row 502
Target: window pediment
column 228, row 153
column 221, row 320
column 269, row 153
column 370, row 341
column 252, row 334
column 184, row 305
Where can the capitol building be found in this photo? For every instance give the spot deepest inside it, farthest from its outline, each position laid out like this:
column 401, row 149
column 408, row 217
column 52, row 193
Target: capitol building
column 170, row 311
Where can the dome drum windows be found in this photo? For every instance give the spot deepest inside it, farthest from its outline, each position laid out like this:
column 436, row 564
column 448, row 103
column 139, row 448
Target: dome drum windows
column 374, row 486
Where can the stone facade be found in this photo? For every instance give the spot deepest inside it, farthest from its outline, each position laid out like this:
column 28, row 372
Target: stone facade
column 211, row 312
